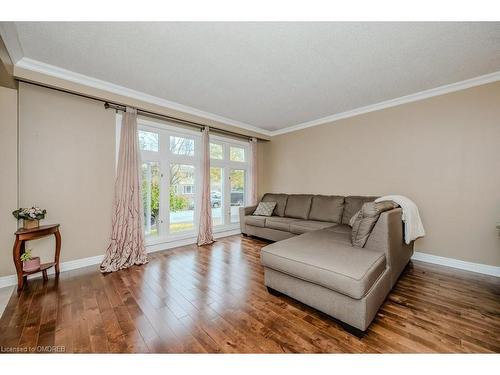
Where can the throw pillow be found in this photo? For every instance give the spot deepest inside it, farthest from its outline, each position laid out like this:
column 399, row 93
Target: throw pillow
column 366, row 219
column 353, row 218
column 264, row 209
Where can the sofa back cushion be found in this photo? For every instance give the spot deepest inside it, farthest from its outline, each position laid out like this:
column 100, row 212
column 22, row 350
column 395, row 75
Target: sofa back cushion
column 365, row 220
column 327, row 208
column 298, row 206
column 280, row 200
column 352, row 205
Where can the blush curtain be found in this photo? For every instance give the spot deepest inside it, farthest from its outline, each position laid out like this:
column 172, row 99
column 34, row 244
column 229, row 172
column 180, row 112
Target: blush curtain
column 253, row 172
column 127, row 246
column 205, row 232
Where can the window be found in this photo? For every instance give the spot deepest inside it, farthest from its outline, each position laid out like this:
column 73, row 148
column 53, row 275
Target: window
column 182, row 145
column 170, row 173
column 216, row 151
column 237, row 153
column 169, row 180
column 151, row 197
column 181, row 205
column 217, row 195
column 228, row 174
column 188, row 189
column 237, row 184
column 148, row 141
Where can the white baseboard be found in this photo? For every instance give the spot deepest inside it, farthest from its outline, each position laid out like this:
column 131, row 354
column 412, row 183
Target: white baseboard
column 187, row 241
column 456, row 263
column 90, row 261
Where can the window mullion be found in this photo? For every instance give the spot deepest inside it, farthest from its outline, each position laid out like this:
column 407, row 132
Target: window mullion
column 164, row 185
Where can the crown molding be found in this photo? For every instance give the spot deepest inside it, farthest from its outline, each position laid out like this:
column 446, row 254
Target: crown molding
column 8, row 32
column 68, row 75
column 54, row 71
column 441, row 90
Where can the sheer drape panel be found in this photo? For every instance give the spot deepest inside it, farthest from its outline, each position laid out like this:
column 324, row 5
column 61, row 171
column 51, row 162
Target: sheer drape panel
column 253, row 172
column 205, row 232
column 127, row 236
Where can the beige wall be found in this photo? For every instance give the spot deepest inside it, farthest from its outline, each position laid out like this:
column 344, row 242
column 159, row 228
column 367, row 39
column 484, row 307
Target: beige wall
column 51, row 81
column 443, row 152
column 67, row 161
column 66, row 165
column 8, row 177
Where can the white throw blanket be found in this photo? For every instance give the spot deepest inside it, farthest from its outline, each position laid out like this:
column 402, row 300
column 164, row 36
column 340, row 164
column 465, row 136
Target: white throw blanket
column 413, row 224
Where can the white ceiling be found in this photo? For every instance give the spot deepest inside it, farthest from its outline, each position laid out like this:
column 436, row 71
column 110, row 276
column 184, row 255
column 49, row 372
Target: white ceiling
column 269, row 75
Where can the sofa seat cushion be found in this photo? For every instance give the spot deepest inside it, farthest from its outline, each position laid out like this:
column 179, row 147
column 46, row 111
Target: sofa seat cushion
column 327, row 208
column 316, row 258
column 298, row 206
column 303, row 226
column 256, row 221
column 280, row 223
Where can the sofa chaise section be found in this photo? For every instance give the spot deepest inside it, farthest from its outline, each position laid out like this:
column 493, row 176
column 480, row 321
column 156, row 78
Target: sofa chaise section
column 314, row 261
column 323, row 270
column 333, row 264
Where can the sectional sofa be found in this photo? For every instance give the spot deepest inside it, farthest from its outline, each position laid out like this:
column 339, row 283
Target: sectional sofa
column 314, row 261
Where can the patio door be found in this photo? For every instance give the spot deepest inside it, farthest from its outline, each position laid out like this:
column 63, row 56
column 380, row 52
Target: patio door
column 171, row 181
column 170, row 191
column 228, row 181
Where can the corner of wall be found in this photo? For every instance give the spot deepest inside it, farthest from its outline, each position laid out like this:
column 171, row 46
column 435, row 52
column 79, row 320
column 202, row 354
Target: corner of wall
column 8, row 174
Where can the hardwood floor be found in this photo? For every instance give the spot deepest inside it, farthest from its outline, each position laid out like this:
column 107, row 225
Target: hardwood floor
column 212, row 299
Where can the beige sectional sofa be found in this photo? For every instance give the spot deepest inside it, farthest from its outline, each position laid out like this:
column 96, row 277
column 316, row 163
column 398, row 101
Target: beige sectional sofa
column 314, row 261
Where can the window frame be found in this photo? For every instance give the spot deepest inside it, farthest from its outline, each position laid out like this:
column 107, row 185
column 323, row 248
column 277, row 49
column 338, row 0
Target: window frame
column 227, row 165
column 165, row 157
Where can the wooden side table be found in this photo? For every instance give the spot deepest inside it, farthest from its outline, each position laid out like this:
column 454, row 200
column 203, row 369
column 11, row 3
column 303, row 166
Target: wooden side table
column 23, row 235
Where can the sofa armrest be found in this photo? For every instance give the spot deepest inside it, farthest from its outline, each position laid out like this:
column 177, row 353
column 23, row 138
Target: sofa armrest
column 387, row 236
column 244, row 211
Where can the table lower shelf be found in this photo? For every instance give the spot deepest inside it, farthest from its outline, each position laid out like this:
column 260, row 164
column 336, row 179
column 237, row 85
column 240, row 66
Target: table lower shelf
column 43, row 267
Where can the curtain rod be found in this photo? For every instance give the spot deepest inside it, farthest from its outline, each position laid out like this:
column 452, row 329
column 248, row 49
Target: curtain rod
column 199, row 126
column 120, row 107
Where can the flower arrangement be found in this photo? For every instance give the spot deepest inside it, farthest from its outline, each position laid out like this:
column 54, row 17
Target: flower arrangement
column 32, row 213
column 31, row 216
